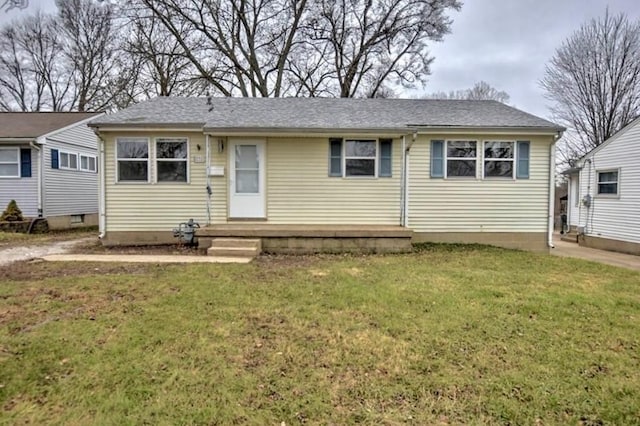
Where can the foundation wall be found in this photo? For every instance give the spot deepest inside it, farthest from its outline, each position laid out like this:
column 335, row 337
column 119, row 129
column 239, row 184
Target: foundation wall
column 609, row 244
column 529, row 241
column 73, row 221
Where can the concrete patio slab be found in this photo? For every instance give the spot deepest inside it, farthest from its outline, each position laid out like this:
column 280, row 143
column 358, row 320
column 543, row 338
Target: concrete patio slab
column 567, row 249
column 140, row 258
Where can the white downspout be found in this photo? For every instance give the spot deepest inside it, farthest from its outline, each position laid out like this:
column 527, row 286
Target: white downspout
column 102, row 184
column 40, row 168
column 208, row 172
column 406, row 148
column 552, row 190
column 403, row 184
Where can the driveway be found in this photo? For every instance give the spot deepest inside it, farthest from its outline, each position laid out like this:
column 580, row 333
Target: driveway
column 25, row 252
column 622, row 260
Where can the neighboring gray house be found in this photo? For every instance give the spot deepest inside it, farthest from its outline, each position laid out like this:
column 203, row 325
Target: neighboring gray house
column 604, row 193
column 48, row 164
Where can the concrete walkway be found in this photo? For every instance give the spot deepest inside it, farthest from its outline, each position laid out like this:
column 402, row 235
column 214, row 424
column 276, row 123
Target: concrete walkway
column 622, row 260
column 143, row 258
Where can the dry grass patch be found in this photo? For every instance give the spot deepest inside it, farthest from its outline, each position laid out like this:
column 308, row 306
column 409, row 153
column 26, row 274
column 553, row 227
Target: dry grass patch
column 449, row 335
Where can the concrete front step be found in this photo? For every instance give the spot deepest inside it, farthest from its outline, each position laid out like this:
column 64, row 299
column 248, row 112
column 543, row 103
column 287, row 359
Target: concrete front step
column 235, row 247
column 570, row 238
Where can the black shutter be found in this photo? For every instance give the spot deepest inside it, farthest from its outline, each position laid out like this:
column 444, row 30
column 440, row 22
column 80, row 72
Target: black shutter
column 54, row 159
column 25, row 162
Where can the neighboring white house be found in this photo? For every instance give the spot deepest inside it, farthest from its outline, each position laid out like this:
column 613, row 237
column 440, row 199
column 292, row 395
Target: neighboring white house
column 604, row 193
column 436, row 170
column 48, row 164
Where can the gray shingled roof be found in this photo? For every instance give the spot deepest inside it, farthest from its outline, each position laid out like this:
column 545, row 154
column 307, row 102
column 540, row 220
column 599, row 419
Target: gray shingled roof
column 320, row 114
column 34, row 124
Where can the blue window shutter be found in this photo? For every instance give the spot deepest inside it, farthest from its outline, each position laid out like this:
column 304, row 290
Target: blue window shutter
column 335, row 157
column 384, row 169
column 522, row 168
column 25, row 162
column 437, row 159
column 54, row 159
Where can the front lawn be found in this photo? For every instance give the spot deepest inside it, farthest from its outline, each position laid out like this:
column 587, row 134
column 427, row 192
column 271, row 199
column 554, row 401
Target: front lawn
column 448, row 335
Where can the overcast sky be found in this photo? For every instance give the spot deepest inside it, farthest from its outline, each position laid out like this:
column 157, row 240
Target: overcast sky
column 503, row 42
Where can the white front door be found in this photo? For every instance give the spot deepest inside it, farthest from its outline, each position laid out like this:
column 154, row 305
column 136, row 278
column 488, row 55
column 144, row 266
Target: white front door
column 247, row 179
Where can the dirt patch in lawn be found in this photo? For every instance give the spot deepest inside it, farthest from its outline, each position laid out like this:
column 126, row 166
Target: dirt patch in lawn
column 96, row 247
column 40, row 270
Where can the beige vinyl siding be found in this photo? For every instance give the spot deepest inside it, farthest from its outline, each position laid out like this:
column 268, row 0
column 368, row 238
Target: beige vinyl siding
column 614, row 217
column 299, row 190
column 478, row 205
column 155, row 206
column 219, row 186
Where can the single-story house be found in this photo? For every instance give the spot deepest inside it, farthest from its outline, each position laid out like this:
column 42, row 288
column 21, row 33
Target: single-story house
column 49, row 165
column 437, row 170
column 604, row 193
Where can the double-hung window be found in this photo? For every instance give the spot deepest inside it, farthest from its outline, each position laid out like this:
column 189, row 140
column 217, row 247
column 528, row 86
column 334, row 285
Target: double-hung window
column 132, row 156
column 499, row 159
column 608, row 182
column 9, row 162
column 461, row 158
column 172, row 159
column 88, row 163
column 68, row 160
column 360, row 157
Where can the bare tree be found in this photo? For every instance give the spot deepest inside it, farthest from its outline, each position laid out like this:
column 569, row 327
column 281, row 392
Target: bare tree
column 374, row 43
column 87, row 28
column 238, row 46
column 593, row 81
column 480, row 91
column 31, row 77
column 163, row 67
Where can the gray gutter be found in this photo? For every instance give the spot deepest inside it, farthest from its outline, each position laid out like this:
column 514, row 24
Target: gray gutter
column 144, row 125
column 432, row 128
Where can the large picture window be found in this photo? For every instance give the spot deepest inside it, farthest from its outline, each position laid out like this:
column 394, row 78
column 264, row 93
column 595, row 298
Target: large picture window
column 499, row 159
column 132, row 159
column 9, row 162
column 171, row 159
column 461, row 158
column 608, row 182
column 360, row 158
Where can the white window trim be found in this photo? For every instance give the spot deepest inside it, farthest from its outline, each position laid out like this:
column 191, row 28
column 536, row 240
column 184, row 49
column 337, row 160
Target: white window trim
column 95, row 163
column 512, row 159
column 69, row 153
column 446, row 159
column 148, row 159
column 617, row 182
column 376, row 158
column 8, row 148
column 187, row 160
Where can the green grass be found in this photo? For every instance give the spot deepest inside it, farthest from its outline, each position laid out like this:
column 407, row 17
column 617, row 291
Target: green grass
column 448, row 335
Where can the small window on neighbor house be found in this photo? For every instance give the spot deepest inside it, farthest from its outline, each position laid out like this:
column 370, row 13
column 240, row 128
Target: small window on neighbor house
column 76, row 219
column 608, row 182
column 88, row 163
column 9, row 162
column 132, row 156
column 498, row 159
column 171, row 158
column 461, row 158
column 68, row 160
